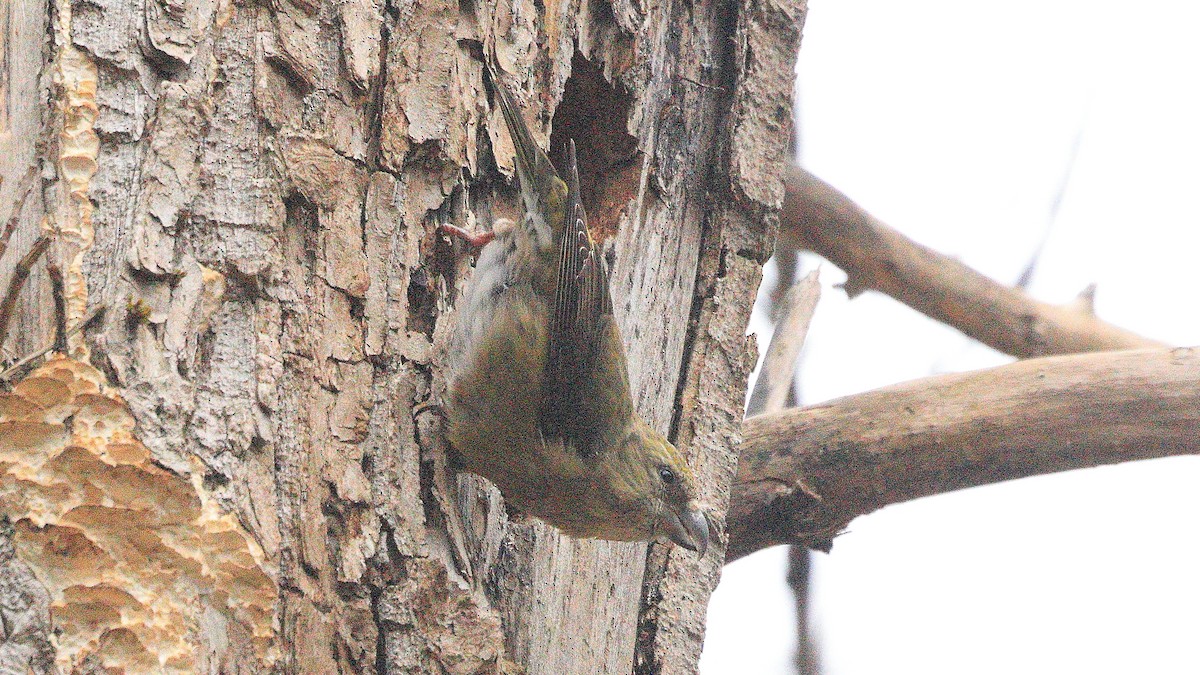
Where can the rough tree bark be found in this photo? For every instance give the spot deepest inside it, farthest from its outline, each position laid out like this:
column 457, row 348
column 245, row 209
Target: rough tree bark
column 249, row 475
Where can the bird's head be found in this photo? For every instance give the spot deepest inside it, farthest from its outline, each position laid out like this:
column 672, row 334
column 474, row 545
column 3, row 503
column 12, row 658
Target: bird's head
column 664, row 491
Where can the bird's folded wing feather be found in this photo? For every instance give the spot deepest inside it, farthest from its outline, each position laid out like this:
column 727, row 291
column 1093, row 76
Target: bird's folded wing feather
column 586, row 387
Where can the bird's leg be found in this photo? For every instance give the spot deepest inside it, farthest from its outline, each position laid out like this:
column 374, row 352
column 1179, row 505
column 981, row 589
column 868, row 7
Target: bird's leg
column 479, row 239
column 475, row 239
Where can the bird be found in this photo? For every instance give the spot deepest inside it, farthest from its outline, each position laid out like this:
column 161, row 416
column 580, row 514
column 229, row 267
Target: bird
column 539, row 399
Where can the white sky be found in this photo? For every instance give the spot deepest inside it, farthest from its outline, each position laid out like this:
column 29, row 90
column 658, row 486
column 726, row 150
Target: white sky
column 953, row 122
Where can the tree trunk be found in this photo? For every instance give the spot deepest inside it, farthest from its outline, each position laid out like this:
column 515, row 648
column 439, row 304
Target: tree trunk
column 249, row 476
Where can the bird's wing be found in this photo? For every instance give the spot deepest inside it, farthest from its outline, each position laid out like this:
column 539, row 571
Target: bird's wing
column 581, row 297
column 586, row 387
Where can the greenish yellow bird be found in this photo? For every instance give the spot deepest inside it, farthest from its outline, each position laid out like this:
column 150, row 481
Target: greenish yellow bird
column 539, row 399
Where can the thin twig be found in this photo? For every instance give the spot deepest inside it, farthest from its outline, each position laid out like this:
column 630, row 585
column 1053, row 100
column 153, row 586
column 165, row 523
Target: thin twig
column 715, row 87
column 60, row 307
column 20, row 274
column 26, row 360
column 14, row 218
column 1056, row 202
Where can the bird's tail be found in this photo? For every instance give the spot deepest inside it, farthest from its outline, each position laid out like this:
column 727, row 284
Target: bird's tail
column 539, row 180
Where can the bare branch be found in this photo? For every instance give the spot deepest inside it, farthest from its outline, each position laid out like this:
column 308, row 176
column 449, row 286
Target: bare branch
column 860, row 453
column 779, row 366
column 877, row 257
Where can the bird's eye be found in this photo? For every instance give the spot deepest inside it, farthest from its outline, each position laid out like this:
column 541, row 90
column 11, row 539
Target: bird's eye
column 667, row 475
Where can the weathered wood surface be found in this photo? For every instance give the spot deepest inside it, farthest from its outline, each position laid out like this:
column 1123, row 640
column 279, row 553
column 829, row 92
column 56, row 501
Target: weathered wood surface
column 253, row 191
